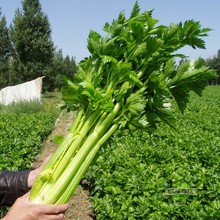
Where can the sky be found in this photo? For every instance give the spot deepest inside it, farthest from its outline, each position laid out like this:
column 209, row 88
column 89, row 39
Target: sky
column 71, row 21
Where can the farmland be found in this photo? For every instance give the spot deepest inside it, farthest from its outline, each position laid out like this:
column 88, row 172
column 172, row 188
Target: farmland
column 164, row 174
column 23, row 129
column 21, row 138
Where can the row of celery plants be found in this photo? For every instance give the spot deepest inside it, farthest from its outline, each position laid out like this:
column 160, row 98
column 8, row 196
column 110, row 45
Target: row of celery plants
column 166, row 174
column 21, row 138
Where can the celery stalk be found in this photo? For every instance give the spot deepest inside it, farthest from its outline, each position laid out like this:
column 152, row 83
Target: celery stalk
column 67, row 175
column 127, row 81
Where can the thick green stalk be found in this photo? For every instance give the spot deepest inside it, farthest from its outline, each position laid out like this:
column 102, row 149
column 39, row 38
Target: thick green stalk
column 47, row 172
column 55, row 191
column 77, row 121
column 60, row 159
column 83, row 168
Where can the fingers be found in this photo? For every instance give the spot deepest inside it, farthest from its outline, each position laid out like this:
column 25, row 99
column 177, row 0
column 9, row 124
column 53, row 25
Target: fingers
column 54, row 209
column 51, row 212
column 47, row 212
column 23, row 209
column 39, row 216
column 34, row 173
column 48, row 208
column 55, row 217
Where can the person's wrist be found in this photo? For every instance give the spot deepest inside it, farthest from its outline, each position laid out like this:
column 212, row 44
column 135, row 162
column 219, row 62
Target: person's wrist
column 32, row 177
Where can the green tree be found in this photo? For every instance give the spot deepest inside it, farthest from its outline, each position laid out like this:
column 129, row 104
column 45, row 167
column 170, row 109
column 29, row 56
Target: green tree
column 5, row 52
column 69, row 66
column 214, row 63
column 62, row 67
column 31, row 37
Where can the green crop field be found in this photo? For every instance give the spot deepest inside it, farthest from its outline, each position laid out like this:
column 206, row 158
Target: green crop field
column 21, row 138
column 166, row 174
column 23, row 129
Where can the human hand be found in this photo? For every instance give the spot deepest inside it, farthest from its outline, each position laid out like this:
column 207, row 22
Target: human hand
column 23, row 209
column 34, row 173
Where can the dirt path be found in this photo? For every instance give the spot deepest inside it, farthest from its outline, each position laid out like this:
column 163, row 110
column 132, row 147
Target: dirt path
column 80, row 207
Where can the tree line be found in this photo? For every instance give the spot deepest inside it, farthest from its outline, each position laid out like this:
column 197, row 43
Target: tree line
column 27, row 50
column 214, row 63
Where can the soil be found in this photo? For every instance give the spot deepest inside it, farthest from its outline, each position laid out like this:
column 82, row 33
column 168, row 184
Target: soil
column 80, row 206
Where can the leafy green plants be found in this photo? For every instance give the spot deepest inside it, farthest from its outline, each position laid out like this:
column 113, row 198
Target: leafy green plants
column 23, row 128
column 162, row 174
column 22, row 107
column 129, row 80
column 21, row 138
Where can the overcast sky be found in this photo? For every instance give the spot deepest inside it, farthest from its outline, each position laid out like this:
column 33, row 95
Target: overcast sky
column 72, row 20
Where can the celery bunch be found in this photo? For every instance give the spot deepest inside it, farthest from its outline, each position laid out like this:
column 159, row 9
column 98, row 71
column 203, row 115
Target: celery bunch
column 129, row 80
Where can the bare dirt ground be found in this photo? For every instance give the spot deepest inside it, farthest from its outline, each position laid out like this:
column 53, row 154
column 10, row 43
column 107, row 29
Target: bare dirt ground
column 80, row 206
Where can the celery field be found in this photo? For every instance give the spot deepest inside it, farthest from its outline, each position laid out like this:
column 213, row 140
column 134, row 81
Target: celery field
column 23, row 128
column 166, row 174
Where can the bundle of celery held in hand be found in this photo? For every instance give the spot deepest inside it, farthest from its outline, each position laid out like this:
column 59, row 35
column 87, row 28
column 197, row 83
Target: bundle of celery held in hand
column 128, row 80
